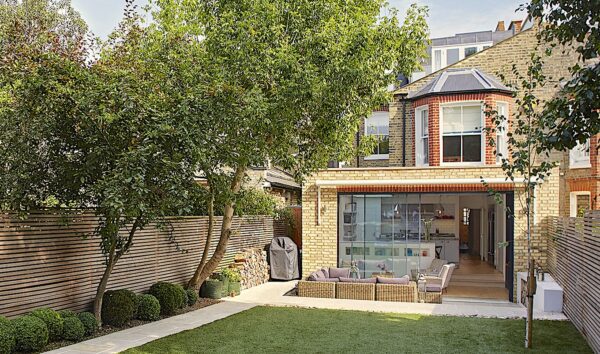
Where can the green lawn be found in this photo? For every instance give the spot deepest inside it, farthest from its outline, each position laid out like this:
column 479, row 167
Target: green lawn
column 293, row 330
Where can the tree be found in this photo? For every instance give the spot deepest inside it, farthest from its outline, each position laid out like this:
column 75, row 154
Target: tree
column 277, row 80
column 88, row 134
column 573, row 116
column 528, row 162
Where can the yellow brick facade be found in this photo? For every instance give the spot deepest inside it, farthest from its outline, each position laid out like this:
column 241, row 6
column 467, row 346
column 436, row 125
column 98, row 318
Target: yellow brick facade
column 320, row 241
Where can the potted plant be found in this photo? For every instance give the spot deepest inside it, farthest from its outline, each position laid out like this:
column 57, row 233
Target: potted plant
column 212, row 287
column 234, row 280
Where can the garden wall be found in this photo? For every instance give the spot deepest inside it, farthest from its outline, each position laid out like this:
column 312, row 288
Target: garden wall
column 574, row 262
column 45, row 261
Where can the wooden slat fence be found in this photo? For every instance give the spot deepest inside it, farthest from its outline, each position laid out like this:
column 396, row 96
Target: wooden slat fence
column 574, row 262
column 44, row 261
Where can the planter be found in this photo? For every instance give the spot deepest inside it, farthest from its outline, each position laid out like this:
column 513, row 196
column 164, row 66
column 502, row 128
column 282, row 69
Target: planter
column 212, row 289
column 225, row 288
column 235, row 287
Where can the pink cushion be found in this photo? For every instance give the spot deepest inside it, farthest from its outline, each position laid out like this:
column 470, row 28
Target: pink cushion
column 339, row 272
column 352, row 280
column 404, row 280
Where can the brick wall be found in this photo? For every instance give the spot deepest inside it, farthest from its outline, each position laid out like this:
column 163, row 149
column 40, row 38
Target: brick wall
column 320, row 241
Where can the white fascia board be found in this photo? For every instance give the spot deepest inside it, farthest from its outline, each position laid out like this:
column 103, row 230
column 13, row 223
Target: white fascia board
column 400, row 182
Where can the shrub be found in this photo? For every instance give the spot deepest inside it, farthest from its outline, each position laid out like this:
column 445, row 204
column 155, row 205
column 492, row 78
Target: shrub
column 31, row 333
column 117, row 307
column 233, row 274
column 148, row 308
column 89, row 322
column 169, row 296
column 66, row 313
column 7, row 336
column 134, row 298
column 73, row 329
column 53, row 322
column 183, row 300
column 192, row 297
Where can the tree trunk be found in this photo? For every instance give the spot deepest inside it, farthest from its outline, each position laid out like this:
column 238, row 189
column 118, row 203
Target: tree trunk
column 194, row 283
column 103, row 282
column 217, row 256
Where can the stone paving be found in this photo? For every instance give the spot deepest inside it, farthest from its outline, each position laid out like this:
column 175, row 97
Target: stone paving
column 273, row 294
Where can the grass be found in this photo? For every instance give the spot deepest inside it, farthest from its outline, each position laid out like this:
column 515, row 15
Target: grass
column 294, row 330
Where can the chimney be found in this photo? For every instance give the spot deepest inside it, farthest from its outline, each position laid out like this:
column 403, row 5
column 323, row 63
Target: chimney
column 500, row 26
column 515, row 26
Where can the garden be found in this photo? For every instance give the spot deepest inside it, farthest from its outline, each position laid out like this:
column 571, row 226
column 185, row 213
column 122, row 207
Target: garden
column 46, row 329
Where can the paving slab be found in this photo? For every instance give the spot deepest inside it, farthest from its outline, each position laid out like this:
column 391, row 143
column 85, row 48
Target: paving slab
column 136, row 336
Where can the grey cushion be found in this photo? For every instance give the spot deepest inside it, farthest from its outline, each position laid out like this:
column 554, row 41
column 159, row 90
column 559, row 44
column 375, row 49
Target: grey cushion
column 434, row 288
column 320, row 274
column 404, row 280
column 326, row 272
column 339, row 273
column 330, row 280
column 312, row 276
column 352, row 280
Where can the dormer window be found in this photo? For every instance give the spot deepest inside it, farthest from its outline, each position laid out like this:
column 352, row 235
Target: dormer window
column 461, row 133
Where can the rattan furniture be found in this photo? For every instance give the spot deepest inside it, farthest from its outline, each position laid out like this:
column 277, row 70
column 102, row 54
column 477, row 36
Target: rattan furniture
column 316, row 289
column 430, row 297
column 396, row 292
column 355, row 291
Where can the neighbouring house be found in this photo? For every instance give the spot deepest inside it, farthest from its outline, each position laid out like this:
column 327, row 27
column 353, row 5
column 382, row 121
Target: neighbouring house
column 419, row 195
column 276, row 182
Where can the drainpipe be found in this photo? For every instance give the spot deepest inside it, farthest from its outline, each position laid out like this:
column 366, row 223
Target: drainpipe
column 403, row 133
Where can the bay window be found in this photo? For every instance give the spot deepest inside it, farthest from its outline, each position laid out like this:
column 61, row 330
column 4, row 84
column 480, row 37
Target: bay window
column 462, row 133
column 501, row 133
column 422, row 134
column 378, row 126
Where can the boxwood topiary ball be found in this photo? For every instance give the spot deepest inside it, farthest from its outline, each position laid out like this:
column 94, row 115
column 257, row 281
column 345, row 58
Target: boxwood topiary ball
column 7, row 336
column 148, row 308
column 89, row 322
column 192, row 297
column 182, row 296
column 31, row 333
column 117, row 307
column 73, row 329
column 53, row 322
column 169, row 296
column 66, row 313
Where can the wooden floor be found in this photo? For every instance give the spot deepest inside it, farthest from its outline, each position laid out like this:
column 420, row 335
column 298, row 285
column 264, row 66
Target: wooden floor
column 476, row 279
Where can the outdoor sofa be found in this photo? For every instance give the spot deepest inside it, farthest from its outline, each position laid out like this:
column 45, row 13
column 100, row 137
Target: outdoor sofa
column 337, row 283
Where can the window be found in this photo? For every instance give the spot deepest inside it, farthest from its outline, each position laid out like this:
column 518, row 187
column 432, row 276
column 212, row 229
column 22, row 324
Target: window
column 501, row 133
column 579, row 203
column 452, row 56
column 579, row 156
column 378, row 125
column 437, row 60
column 465, row 215
column 461, row 133
column 470, row 51
column 422, row 133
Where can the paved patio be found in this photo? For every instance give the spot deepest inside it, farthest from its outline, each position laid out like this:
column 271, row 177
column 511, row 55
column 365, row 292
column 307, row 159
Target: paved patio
column 273, row 294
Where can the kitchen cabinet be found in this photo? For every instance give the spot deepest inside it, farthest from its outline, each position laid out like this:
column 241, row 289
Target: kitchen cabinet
column 449, row 250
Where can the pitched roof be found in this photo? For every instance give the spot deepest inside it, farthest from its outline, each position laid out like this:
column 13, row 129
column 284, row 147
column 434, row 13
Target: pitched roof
column 460, row 80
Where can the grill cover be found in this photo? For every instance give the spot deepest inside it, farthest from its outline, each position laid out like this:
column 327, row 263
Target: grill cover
column 284, row 259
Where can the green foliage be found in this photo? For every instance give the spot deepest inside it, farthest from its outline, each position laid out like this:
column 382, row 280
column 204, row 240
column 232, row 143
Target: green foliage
column 182, row 296
column 89, row 322
column 74, row 330
column 233, row 274
column 148, row 308
column 169, row 296
column 572, row 116
column 118, row 307
column 31, row 333
column 7, row 336
column 53, row 321
column 192, row 297
column 66, row 313
column 133, row 298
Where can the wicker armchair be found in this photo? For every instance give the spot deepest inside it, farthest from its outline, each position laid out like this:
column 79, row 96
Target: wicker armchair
column 355, row 291
column 316, row 289
column 396, row 292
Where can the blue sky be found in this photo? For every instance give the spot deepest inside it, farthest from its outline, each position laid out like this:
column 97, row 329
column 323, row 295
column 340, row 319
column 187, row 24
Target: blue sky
column 446, row 17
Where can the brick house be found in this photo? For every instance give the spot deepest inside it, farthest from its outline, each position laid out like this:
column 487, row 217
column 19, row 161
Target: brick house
column 419, row 195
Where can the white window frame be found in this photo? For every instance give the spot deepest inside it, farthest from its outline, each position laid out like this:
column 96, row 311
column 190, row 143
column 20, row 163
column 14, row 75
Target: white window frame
column 573, row 201
column 441, row 133
column 378, row 115
column 502, row 134
column 419, row 147
column 461, row 53
column 577, row 159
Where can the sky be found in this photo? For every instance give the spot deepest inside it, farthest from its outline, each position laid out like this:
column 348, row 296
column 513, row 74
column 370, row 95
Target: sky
column 446, row 17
